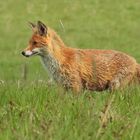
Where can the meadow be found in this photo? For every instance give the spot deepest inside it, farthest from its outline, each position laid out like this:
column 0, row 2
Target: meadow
column 33, row 109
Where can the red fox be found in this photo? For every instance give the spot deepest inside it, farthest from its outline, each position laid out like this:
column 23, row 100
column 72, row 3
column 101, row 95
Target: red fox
column 79, row 69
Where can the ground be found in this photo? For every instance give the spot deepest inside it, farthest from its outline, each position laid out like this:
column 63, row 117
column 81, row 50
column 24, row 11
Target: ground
column 32, row 109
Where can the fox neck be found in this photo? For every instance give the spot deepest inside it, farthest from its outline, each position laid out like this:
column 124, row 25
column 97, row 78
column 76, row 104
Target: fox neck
column 50, row 64
column 52, row 60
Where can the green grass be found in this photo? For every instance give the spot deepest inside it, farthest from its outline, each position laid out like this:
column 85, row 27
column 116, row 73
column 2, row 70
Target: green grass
column 36, row 111
column 32, row 109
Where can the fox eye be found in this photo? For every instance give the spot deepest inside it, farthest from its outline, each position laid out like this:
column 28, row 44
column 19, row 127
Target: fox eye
column 34, row 42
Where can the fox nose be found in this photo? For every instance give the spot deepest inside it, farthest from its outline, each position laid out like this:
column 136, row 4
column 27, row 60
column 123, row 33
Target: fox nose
column 23, row 53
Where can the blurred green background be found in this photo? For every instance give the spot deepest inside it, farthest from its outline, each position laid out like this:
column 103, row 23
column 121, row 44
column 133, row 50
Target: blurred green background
column 103, row 24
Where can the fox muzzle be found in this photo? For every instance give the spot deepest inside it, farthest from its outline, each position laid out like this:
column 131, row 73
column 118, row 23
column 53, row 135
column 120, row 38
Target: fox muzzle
column 27, row 53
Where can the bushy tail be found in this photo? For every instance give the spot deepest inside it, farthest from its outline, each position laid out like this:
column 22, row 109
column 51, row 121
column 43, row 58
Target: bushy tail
column 138, row 72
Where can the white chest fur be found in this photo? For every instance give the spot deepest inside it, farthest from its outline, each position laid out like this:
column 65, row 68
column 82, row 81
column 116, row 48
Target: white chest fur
column 52, row 66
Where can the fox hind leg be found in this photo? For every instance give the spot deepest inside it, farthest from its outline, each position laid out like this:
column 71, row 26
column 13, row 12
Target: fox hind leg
column 121, row 80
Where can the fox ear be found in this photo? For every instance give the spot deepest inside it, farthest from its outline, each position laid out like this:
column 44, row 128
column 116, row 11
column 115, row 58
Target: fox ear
column 42, row 28
column 32, row 25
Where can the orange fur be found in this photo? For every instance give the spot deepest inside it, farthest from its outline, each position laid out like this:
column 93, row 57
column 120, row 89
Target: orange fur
column 79, row 69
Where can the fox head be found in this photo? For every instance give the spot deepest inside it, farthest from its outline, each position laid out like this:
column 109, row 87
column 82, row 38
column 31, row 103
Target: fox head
column 39, row 40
